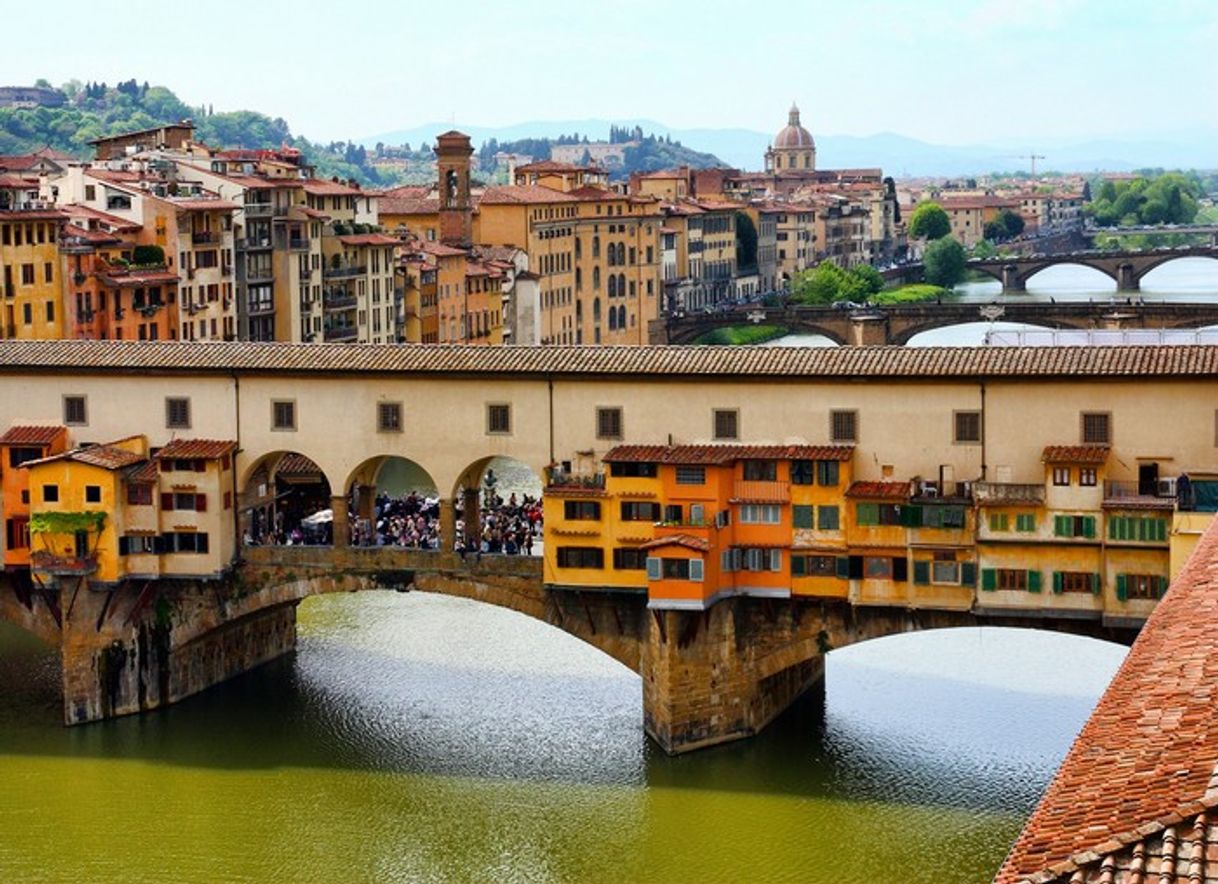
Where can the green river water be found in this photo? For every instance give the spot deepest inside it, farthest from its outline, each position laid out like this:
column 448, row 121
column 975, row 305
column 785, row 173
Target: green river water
column 422, row 738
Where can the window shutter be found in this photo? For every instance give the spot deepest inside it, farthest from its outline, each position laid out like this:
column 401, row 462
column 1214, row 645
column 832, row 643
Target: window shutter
column 737, row 559
column 123, row 546
column 1058, row 582
column 162, row 543
column 696, row 512
column 653, row 568
column 166, row 501
column 201, row 503
column 842, row 567
column 695, row 570
column 775, row 560
column 921, row 571
column 1142, row 529
column 1033, row 581
column 725, row 561
column 1096, row 584
column 1122, row 590
column 868, row 513
column 968, row 573
column 201, row 543
column 900, row 569
column 799, row 566
column 1089, row 526
column 1061, row 528
column 1160, row 529
column 802, row 516
column 911, row 516
column 1161, row 585
column 989, row 579
column 994, row 522
column 1112, row 527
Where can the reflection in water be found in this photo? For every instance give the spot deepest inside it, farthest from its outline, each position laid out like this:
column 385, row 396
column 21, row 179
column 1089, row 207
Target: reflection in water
column 425, row 738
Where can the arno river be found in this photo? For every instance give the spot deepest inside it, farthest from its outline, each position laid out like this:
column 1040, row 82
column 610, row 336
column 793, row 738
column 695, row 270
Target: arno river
column 421, row 738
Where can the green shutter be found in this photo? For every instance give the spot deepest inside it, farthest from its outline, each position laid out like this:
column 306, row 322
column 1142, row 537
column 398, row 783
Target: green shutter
column 968, row 573
column 1033, row 581
column 1161, row 584
column 1089, row 526
column 842, row 567
column 1058, row 582
column 921, row 572
column 1059, row 526
column 1112, row 527
column 1143, row 529
column 1122, row 591
column 802, row 516
column 1097, row 585
column 1160, row 529
column 867, row 513
column 911, row 516
column 989, row 579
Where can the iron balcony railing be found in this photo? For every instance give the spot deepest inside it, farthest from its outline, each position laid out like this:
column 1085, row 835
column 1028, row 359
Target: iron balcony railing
column 203, row 237
column 339, row 302
column 345, row 271
column 342, row 333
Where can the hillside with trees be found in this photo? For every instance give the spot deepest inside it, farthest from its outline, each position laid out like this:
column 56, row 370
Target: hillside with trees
column 643, row 152
column 1151, row 198
column 95, row 110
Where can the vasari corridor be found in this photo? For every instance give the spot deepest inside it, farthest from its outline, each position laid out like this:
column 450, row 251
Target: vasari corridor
column 552, row 443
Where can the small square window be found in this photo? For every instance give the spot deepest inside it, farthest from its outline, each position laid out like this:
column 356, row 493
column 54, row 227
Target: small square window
column 92, row 494
column 75, row 412
column 498, row 418
column 727, row 423
column 389, row 417
column 967, row 427
column 609, row 423
column 50, row 493
column 283, row 414
column 843, row 426
column 1061, row 476
column 1096, row 427
column 177, row 413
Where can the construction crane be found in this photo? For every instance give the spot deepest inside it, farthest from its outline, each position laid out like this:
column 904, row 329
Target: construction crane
column 1029, row 156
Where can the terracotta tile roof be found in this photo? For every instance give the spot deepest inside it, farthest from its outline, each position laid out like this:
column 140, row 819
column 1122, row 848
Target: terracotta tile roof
column 144, row 473
column 879, row 490
column 1117, row 363
column 1141, row 779
column 105, row 456
column 713, row 455
column 522, row 194
column 405, row 191
column 369, row 239
column 1140, row 502
column 1074, row 454
column 92, row 236
column 195, row 204
column 205, row 449
column 439, row 249
column 75, row 210
column 552, row 166
column 292, row 464
column 325, row 187
column 31, row 435
column 686, row 540
column 407, row 206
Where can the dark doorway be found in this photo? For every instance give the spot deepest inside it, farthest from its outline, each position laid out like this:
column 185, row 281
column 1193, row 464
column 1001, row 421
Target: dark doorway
column 1148, row 478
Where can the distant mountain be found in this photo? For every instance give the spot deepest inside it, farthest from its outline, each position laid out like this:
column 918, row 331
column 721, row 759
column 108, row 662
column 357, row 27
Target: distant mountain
column 896, row 154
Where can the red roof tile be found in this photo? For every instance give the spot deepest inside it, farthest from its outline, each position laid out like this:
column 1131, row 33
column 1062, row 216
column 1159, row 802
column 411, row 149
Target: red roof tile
column 189, row 449
column 686, row 540
column 520, row 194
column 32, row 435
column 1144, row 768
column 724, row 454
column 296, row 465
column 1074, row 454
column 879, row 490
column 105, row 456
column 325, row 187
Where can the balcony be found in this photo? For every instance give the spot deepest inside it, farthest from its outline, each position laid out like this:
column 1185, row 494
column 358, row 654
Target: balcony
column 253, row 243
column 342, row 333
column 259, row 210
column 1008, row 493
column 43, row 562
column 256, row 274
column 261, row 308
column 205, row 237
column 761, row 492
column 1164, row 489
column 298, row 244
column 558, row 480
column 339, row 302
column 345, row 271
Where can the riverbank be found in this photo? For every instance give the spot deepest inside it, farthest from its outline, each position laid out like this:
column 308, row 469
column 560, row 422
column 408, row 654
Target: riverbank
column 910, row 294
column 742, row 334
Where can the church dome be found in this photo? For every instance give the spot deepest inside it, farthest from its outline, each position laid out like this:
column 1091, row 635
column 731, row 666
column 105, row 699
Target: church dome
column 793, row 135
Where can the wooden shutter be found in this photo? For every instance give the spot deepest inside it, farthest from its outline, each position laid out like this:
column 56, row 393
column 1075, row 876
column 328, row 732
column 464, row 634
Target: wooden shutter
column 1061, row 528
column 775, row 560
column 725, row 561
column 911, row 516
column 1089, row 526
column 968, row 573
column 1058, row 582
column 201, row 503
column 842, row 567
column 695, row 570
column 653, row 568
column 1097, row 585
column 1122, row 587
column 989, row 579
column 921, row 572
column 1161, row 584
column 801, row 516
column 123, row 546
column 201, row 543
column 1033, row 581
column 900, row 569
column 799, row 566
column 868, row 513
column 166, row 501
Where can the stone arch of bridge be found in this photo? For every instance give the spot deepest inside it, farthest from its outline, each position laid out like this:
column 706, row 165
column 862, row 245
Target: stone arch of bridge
column 1143, row 268
column 478, row 481
column 278, row 491
column 869, row 625
column 1111, row 269
column 904, row 335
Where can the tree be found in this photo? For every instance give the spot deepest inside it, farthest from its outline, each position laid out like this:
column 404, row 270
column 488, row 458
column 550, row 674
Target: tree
column 944, row 262
column 746, row 242
column 929, row 221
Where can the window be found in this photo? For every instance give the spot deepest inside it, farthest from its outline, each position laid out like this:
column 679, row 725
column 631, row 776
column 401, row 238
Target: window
column 581, row 557
column 1086, row 476
column 753, row 559
column 1061, row 476
column 760, row 470
column 1074, row 526
column 1010, row 579
column 1137, row 528
column 177, row 413
column 634, row 470
column 389, row 417
column 139, row 495
column 75, row 414
column 635, row 511
column 878, row 514
column 674, row 569
column 967, row 427
column 843, row 426
column 802, row 472
column 813, row 566
column 283, row 414
column 1076, row 581
column 609, row 423
column 92, row 494
column 828, row 518
column 726, row 423
column 50, row 493
column 1140, row 586
column 1096, row 427
column 498, row 418
column 760, row 514
column 945, row 572
column 877, row 568
column 999, row 522
column 184, row 541
column 1025, row 522
column 691, row 475
column 581, row 510
column 801, row 516
column 827, row 473
column 629, row 559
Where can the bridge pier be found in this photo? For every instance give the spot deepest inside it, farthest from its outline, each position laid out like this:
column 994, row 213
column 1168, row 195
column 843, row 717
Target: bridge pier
column 1127, row 279
column 341, row 525
column 1013, row 280
column 868, row 330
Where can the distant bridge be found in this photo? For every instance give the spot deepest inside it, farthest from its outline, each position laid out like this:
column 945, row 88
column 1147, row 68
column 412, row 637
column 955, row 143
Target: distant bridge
column 897, row 324
column 1125, row 267
column 1210, row 230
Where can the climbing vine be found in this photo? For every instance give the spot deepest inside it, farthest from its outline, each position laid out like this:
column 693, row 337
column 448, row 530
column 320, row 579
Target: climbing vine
column 66, row 523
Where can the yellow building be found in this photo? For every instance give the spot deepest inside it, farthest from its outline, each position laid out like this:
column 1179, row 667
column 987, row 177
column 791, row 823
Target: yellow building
column 31, row 290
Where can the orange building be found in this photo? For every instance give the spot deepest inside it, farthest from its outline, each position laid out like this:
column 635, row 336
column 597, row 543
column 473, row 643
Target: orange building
column 18, row 446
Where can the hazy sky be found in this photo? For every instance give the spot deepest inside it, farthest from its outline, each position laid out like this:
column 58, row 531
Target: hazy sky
column 948, row 71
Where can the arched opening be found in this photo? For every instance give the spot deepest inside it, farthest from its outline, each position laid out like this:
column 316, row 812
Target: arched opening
column 498, row 507
column 1076, row 280
column 1195, row 275
column 974, row 334
column 393, row 501
column 286, row 500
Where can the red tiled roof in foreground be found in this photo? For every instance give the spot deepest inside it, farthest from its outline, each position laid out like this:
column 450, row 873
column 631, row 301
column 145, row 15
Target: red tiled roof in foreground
column 31, row 435
column 688, row 455
column 1138, row 789
column 197, row 449
column 1074, row 454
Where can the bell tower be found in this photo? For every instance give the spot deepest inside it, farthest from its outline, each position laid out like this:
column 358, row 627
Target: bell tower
column 453, row 152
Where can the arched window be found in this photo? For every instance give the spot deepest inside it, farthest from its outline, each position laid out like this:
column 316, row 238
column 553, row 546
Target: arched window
column 612, row 255
column 612, row 319
column 579, row 279
column 621, row 285
column 596, row 247
column 578, row 248
column 612, row 286
column 596, row 309
column 596, row 278
column 621, row 317
column 621, row 254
